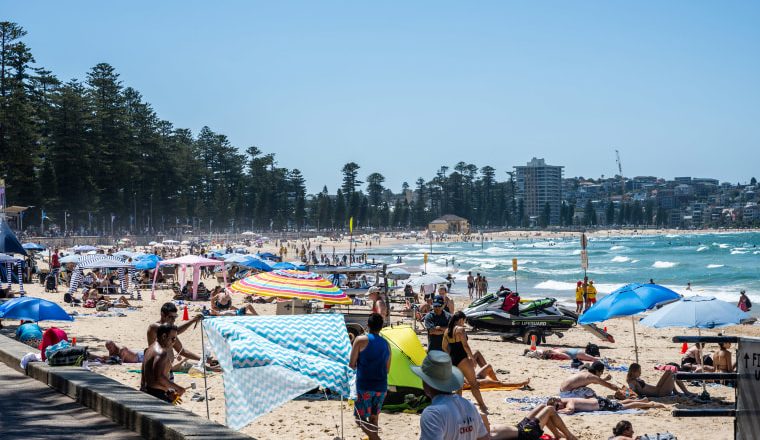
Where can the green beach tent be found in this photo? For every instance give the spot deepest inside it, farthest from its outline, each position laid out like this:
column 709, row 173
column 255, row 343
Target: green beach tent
column 406, row 350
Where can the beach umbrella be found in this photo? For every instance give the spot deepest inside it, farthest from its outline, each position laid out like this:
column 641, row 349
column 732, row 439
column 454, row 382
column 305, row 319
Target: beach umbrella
column 268, row 256
column 248, row 233
column 255, row 263
column 33, row 247
column 84, row 248
column 425, row 280
column 147, row 262
column 170, row 242
column 34, row 309
column 398, row 273
column 287, row 266
column 124, row 254
column 291, row 284
column 236, row 258
column 628, row 300
column 696, row 312
column 73, row 258
column 152, row 243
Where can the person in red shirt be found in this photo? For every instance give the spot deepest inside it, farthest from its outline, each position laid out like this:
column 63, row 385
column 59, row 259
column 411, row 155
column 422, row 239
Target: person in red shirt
column 55, row 267
column 52, row 336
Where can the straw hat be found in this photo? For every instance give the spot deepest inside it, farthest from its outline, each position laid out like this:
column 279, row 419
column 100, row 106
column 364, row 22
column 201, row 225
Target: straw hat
column 436, row 371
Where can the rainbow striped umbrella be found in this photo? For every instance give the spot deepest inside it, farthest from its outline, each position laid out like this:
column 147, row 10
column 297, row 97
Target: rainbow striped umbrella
column 291, row 284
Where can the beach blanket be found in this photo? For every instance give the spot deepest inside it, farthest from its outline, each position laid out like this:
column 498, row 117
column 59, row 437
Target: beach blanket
column 607, row 367
column 499, row 387
column 532, row 402
column 269, row 360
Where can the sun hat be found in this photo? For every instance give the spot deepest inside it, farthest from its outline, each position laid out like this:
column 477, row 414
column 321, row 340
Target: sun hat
column 372, row 290
column 436, row 371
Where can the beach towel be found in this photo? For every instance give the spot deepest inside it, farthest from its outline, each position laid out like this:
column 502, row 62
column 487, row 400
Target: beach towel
column 607, row 413
column 269, row 360
column 582, row 392
column 499, row 387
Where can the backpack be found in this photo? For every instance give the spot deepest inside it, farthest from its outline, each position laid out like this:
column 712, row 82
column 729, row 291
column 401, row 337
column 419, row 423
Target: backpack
column 748, row 303
column 72, row 355
column 592, row 350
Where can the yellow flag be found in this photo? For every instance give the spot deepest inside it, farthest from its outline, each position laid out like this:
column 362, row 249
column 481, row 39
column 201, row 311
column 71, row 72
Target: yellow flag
column 425, row 257
column 514, row 264
column 351, row 225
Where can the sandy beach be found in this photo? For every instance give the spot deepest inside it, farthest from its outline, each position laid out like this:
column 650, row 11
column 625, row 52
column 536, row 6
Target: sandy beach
column 321, row 419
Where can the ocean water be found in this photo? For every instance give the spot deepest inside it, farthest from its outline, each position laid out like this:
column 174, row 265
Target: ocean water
column 719, row 264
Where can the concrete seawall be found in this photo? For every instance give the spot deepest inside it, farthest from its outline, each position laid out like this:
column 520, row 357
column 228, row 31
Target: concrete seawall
column 136, row 411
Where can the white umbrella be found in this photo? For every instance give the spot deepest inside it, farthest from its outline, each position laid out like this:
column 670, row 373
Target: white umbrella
column 425, row 280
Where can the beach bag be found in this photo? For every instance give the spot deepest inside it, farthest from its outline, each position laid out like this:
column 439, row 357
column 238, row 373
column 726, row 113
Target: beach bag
column 592, row 349
column 53, row 348
column 658, row 436
column 71, row 355
column 748, row 304
column 101, row 306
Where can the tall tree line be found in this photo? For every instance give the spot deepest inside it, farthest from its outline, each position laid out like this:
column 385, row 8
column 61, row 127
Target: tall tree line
column 95, row 156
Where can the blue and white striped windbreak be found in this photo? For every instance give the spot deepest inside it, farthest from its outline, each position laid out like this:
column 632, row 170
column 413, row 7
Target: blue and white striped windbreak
column 269, row 360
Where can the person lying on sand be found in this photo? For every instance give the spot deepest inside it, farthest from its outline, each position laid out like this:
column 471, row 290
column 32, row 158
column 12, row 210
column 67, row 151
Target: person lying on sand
column 531, row 427
column 574, row 404
column 577, row 384
column 121, row 355
column 665, row 386
column 560, row 354
column 221, row 304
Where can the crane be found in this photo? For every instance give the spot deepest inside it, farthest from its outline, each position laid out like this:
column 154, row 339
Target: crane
column 620, row 170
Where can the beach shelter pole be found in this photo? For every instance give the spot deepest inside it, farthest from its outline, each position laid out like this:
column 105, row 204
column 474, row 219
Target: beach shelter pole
column 635, row 343
column 203, row 365
column 153, row 287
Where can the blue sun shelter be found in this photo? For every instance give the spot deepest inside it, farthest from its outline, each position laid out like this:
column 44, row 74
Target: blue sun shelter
column 269, row 360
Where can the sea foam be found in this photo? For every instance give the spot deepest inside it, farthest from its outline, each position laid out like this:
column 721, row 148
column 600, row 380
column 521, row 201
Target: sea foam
column 715, row 266
column 663, row 264
column 620, row 259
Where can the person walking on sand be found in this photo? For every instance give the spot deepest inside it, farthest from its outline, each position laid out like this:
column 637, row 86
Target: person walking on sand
column 371, row 358
column 470, row 285
column 156, row 366
column 449, row 416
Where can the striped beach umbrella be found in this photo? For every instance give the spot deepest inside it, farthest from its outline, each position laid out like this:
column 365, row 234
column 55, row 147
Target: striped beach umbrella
column 291, row 284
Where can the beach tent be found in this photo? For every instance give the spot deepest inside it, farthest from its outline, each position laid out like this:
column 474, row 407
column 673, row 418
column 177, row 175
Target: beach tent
column 9, row 244
column 146, row 262
column 269, row 360
column 193, row 261
column 98, row 261
column 406, row 351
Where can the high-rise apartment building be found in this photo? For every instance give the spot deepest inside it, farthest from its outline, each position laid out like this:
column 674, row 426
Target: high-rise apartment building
column 539, row 184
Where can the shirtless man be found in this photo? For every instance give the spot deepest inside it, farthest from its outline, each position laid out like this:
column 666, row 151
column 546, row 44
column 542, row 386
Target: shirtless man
column 168, row 316
column 157, row 365
column 577, row 384
column 470, row 284
column 574, row 405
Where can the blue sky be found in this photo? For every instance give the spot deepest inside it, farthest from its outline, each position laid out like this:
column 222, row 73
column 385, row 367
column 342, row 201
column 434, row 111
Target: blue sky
column 402, row 88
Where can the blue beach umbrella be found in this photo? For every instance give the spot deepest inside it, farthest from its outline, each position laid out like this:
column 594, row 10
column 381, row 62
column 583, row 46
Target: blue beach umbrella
column 34, row 309
column 84, row 248
column 236, row 258
column 285, row 265
column 147, row 262
column 628, row 300
column 255, row 263
column 33, row 247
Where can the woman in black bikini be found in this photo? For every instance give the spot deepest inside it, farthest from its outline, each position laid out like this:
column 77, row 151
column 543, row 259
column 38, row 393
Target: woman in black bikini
column 455, row 343
column 221, row 304
column 665, row 386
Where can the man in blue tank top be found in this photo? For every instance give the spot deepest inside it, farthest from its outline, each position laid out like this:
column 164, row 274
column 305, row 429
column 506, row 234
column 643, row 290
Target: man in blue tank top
column 371, row 357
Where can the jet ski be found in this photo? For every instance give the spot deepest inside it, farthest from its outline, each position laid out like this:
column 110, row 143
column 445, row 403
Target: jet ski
column 530, row 317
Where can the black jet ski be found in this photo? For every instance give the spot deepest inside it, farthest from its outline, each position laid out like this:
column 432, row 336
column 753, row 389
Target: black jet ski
column 532, row 317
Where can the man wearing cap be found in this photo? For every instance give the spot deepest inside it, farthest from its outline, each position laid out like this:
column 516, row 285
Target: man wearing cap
column 436, row 323
column 449, row 416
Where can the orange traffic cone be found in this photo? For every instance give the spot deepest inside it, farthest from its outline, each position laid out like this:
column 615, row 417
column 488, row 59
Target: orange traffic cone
column 684, row 347
column 532, row 342
column 185, row 315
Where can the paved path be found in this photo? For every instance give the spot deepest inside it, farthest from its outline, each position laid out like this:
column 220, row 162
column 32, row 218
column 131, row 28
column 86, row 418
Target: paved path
column 32, row 410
